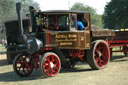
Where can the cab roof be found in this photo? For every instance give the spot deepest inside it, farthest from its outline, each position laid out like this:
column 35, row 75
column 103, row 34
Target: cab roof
column 63, row 12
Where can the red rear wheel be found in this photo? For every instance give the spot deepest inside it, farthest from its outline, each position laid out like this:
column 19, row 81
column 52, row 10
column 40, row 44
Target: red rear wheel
column 99, row 55
column 50, row 64
column 22, row 65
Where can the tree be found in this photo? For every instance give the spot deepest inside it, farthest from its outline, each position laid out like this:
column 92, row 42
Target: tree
column 115, row 14
column 95, row 18
column 8, row 8
column 27, row 3
column 8, row 11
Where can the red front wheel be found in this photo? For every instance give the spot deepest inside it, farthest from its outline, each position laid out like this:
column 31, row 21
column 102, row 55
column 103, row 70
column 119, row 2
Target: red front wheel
column 99, row 55
column 22, row 65
column 50, row 64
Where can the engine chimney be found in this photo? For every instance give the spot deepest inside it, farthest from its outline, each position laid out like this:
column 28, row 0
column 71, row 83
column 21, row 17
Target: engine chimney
column 21, row 38
column 32, row 18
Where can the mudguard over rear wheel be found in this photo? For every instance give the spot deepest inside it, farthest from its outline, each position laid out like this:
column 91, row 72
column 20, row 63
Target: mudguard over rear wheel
column 99, row 55
column 50, row 64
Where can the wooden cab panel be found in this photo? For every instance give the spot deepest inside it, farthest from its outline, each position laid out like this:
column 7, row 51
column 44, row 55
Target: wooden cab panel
column 88, row 31
column 67, row 40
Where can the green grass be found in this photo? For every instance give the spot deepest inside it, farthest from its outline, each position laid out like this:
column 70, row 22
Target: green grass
column 117, row 53
column 2, row 48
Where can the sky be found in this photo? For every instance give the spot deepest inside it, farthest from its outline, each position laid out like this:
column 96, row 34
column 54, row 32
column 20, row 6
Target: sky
column 66, row 4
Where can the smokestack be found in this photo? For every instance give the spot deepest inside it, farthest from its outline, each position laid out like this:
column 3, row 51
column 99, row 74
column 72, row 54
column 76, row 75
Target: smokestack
column 18, row 10
column 32, row 18
column 21, row 38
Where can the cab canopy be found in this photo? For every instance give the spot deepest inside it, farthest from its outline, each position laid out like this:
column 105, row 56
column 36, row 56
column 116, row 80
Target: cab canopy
column 62, row 20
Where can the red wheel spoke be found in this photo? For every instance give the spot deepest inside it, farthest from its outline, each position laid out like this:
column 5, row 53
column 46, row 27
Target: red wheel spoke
column 100, row 61
column 28, row 70
column 103, row 51
column 49, row 57
column 94, row 55
column 55, row 67
column 22, row 66
column 99, row 47
column 47, row 71
column 24, row 71
column 52, row 58
column 48, row 60
column 51, row 65
column 96, row 50
column 18, row 61
column 103, row 55
column 46, row 64
column 53, row 71
column 22, row 58
column 50, row 71
column 19, row 69
column 96, row 59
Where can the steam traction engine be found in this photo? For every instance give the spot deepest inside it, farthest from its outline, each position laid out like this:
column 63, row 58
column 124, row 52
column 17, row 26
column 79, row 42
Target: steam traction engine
column 50, row 40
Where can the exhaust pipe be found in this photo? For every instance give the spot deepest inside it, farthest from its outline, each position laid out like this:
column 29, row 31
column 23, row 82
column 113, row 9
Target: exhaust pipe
column 32, row 19
column 21, row 38
column 18, row 10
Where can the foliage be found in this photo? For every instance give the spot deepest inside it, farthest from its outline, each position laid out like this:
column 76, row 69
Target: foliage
column 8, row 10
column 95, row 18
column 27, row 3
column 115, row 14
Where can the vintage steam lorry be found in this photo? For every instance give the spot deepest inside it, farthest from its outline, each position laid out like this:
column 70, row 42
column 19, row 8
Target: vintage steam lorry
column 50, row 40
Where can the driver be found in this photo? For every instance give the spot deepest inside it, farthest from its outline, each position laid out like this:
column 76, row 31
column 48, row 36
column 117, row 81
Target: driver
column 80, row 25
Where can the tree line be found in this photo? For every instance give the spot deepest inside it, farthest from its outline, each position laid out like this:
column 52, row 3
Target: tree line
column 96, row 19
column 116, row 14
column 114, row 17
column 8, row 9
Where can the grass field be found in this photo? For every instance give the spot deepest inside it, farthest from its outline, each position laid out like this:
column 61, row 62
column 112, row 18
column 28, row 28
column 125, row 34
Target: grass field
column 117, row 53
column 2, row 48
column 114, row 74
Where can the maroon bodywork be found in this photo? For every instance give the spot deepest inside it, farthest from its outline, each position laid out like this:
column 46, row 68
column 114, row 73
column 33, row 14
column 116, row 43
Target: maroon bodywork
column 119, row 40
column 54, row 40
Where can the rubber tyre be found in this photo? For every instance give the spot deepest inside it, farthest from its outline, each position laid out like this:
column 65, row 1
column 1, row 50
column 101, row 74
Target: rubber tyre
column 44, row 61
column 19, row 58
column 94, row 62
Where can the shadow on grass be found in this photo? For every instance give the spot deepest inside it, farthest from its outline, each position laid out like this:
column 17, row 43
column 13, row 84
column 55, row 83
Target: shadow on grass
column 75, row 70
column 3, row 62
column 12, row 77
column 1, row 53
column 118, row 58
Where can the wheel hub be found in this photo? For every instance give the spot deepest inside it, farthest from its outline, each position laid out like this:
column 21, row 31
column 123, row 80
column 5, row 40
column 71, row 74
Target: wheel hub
column 99, row 54
column 51, row 65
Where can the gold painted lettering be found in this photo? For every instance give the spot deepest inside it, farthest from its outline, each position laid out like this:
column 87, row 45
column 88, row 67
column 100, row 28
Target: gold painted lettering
column 65, row 43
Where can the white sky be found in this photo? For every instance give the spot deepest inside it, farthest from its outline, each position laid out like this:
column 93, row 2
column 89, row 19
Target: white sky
column 64, row 4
